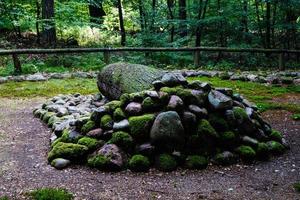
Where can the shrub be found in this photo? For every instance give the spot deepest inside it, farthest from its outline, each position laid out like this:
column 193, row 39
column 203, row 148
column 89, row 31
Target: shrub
column 51, row 194
column 166, row 163
column 139, row 163
column 196, row 162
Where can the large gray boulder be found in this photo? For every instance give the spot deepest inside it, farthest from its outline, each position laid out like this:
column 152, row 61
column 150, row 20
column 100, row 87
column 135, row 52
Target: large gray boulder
column 219, row 100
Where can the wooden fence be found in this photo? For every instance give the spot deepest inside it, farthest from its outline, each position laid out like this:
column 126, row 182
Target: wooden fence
column 108, row 51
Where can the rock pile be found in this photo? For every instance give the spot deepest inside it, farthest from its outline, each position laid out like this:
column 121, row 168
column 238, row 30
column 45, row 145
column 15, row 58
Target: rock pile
column 175, row 124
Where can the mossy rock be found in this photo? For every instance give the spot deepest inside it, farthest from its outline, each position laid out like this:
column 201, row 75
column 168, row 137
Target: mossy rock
column 166, row 163
column 196, row 162
column 91, row 143
column 106, row 122
column 218, row 122
column 125, row 99
column 99, row 162
column 262, row 151
column 139, row 163
column 90, row 125
column 52, row 120
column 240, row 115
column 149, row 104
column 119, row 114
column 276, row 136
column 275, row 147
column 68, row 151
column 205, row 129
column 70, row 136
column 47, row 116
column 140, row 126
column 122, row 139
column 247, row 153
column 225, row 158
column 228, row 138
column 113, row 105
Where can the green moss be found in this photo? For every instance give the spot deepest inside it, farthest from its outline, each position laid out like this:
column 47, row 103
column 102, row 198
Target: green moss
column 119, row 114
column 90, row 125
column 106, row 122
column 47, row 116
column 228, row 138
column 196, row 162
column 262, row 151
column 179, row 91
column 140, row 125
column 240, row 114
column 166, row 163
column 65, row 137
column 112, row 105
column 139, row 163
column 55, row 142
column 122, row 139
column 246, row 152
column 148, row 104
column 275, row 147
column 276, row 136
column 90, row 143
column 296, row 116
column 218, row 122
column 205, row 129
column 125, row 99
column 68, row 151
column 99, row 162
column 51, row 194
column 51, row 120
column 297, row 186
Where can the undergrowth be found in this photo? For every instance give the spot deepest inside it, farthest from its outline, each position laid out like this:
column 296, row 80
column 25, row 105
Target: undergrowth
column 50, row 194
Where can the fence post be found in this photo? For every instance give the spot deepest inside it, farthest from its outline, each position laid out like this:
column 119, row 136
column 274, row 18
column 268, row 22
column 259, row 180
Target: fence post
column 17, row 64
column 197, row 58
column 281, row 61
column 106, row 55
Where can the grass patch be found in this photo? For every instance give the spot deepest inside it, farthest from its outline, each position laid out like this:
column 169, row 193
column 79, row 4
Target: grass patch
column 48, row 88
column 297, row 186
column 51, row 194
column 257, row 93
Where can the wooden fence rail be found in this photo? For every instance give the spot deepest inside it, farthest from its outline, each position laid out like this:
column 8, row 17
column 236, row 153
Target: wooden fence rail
column 107, row 51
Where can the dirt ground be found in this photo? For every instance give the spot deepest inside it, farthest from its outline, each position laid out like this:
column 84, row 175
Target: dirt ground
column 24, row 143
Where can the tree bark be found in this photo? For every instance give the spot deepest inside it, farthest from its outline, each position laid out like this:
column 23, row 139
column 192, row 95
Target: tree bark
column 170, row 4
column 268, row 25
column 97, row 12
column 119, row 78
column 48, row 15
column 182, row 18
column 38, row 13
column 121, row 22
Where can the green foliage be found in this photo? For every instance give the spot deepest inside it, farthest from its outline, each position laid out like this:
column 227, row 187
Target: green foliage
column 99, row 162
column 196, row 162
column 51, row 194
column 166, row 162
column 122, row 139
column 139, row 163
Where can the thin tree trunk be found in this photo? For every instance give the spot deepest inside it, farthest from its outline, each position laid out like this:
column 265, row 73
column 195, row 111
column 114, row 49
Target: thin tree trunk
column 121, row 22
column 48, row 15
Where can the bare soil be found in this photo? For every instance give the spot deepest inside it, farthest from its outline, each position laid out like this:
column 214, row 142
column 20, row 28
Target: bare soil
column 24, row 143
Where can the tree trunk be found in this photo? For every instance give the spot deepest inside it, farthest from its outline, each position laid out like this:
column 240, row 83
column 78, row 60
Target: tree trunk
column 142, row 15
column 121, row 22
column 38, row 13
column 119, row 78
column 49, row 31
column 268, row 25
column 182, row 18
column 96, row 12
column 170, row 4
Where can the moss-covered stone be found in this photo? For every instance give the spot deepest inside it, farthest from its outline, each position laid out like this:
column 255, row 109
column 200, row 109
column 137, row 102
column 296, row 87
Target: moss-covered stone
column 119, row 114
column 90, row 125
column 139, row 163
column 275, row 147
column 166, row 162
column 140, row 126
column 225, row 158
column 262, row 151
column 99, row 162
column 69, row 136
column 205, row 129
column 106, row 122
column 122, row 139
column 228, row 138
column 196, row 162
column 52, row 120
column 246, row 152
column 218, row 122
column 47, row 116
column 276, row 136
column 240, row 114
column 125, row 99
column 91, row 143
column 113, row 105
column 68, row 151
column 148, row 104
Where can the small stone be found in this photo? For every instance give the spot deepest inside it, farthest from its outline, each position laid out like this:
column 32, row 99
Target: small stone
column 60, row 163
column 146, row 149
column 133, row 108
column 175, row 103
column 36, row 77
column 219, row 101
column 62, row 111
column 157, row 85
column 199, row 112
column 250, row 141
column 96, row 133
column 122, row 125
column 226, row 91
column 173, row 79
